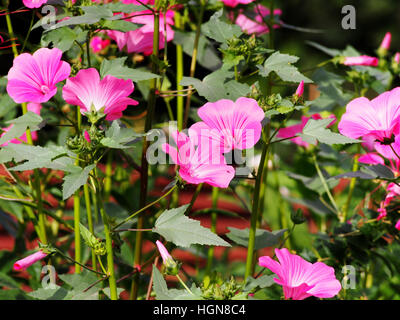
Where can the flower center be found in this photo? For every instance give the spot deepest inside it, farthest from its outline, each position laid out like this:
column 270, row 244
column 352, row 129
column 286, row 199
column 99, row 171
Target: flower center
column 44, row 89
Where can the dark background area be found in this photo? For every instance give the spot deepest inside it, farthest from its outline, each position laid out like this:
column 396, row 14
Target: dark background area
column 374, row 19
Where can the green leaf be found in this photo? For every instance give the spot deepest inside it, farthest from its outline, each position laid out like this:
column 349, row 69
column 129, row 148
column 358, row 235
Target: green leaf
column 264, row 238
column 57, row 293
column 315, row 183
column 14, row 294
column 281, row 64
column 62, row 38
column 89, row 238
column 315, row 130
column 117, row 69
column 92, row 14
column 218, row 85
column 261, row 282
column 29, row 120
column 175, row 227
column 52, row 157
column 120, row 25
column 329, row 51
column 76, row 179
column 117, row 137
column 220, row 30
column 206, row 55
column 122, row 7
column 107, row 292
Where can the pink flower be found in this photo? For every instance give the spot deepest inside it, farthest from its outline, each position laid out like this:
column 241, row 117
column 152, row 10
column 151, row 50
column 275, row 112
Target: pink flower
column 361, row 61
column 377, row 119
column 233, row 125
column 293, row 130
column 386, row 41
column 97, row 44
column 141, row 40
column 86, row 135
column 34, row 3
column 300, row 89
column 256, row 25
column 29, row 260
column 34, row 107
column 109, row 95
column 397, row 226
column 199, row 160
column 234, row 3
column 301, row 279
column 163, row 252
column 33, row 78
column 397, row 57
column 371, row 158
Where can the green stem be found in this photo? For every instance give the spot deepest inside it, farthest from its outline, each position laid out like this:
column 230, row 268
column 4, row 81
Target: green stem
column 109, row 247
column 11, row 33
column 29, row 31
column 194, row 59
column 254, row 213
column 108, row 179
column 325, row 185
column 194, row 197
column 144, row 164
column 90, row 220
column 184, row 285
column 145, row 208
column 352, row 185
column 210, row 253
column 179, row 73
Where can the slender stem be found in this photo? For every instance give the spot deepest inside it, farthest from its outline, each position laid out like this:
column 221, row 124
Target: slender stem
column 194, row 59
column 145, row 165
column 210, row 253
column 179, row 73
column 90, row 220
column 29, row 31
column 325, row 185
column 254, row 213
column 184, row 285
column 145, row 208
column 108, row 179
column 82, row 265
column 12, row 37
column 352, row 185
column 88, row 49
column 194, row 197
column 109, row 247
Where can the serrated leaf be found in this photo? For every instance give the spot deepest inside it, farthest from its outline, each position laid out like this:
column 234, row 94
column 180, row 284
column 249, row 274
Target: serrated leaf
column 92, row 14
column 62, row 38
column 315, row 183
column 120, row 25
column 50, row 157
column 281, row 64
column 107, row 292
column 57, row 293
column 315, row 130
column 175, row 227
column 29, row 120
column 75, row 180
column 264, row 238
column 117, row 69
column 117, row 137
column 220, row 30
column 218, row 85
column 261, row 282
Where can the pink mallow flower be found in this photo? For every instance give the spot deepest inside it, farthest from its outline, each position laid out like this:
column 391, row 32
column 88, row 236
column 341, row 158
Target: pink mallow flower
column 378, row 120
column 386, row 41
column 34, row 107
column 301, row 279
column 86, row 135
column 232, row 125
column 292, row 131
column 234, row 3
column 109, row 95
column 33, row 3
column 29, row 260
column 166, row 257
column 397, row 226
column 199, row 160
column 141, row 39
column 33, row 78
column 361, row 61
column 397, row 58
column 98, row 44
column 256, row 25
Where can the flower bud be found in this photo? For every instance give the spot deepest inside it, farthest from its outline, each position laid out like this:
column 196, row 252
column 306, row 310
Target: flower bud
column 360, row 61
column 300, row 89
column 297, row 217
column 385, row 45
column 397, row 226
column 29, row 260
column 171, row 267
